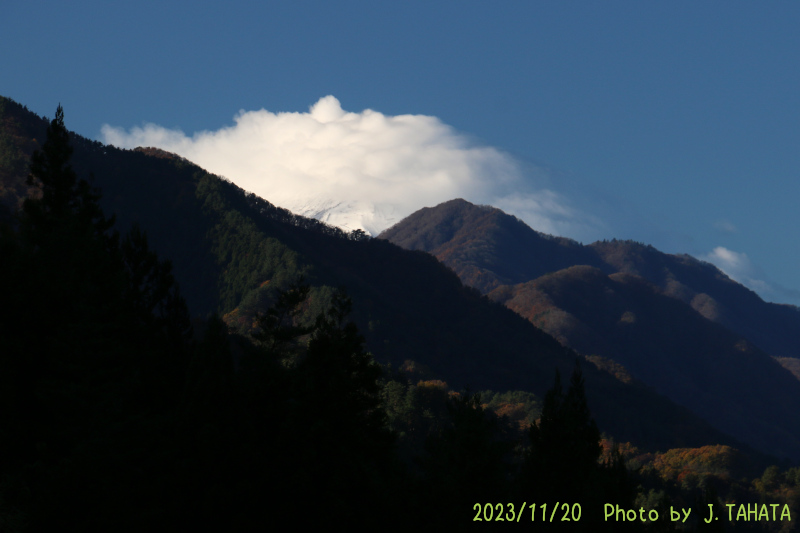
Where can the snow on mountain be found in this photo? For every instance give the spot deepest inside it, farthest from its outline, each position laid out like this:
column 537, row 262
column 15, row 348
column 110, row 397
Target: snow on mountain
column 347, row 215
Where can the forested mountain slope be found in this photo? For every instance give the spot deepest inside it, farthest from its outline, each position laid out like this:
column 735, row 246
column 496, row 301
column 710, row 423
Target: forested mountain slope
column 231, row 252
column 675, row 323
column 487, row 247
column 666, row 344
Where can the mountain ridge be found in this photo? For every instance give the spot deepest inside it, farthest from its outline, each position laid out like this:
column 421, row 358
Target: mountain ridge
column 486, row 254
column 231, row 251
column 676, row 323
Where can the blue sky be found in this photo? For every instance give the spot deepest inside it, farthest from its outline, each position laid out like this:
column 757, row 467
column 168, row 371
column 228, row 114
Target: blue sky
column 672, row 123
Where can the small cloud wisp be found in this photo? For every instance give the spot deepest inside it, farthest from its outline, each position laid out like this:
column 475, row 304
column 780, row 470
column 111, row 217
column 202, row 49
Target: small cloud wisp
column 739, row 267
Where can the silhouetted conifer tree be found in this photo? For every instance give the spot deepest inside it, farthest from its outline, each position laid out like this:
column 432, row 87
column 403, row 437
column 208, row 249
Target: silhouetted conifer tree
column 95, row 352
column 466, row 462
column 565, row 444
column 66, row 202
column 279, row 326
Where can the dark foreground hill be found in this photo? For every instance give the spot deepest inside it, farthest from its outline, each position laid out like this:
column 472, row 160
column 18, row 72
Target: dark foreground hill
column 232, row 252
column 675, row 323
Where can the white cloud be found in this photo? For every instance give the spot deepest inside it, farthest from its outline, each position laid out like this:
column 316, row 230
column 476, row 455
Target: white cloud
column 364, row 169
column 547, row 211
column 726, row 226
column 736, row 265
column 739, row 267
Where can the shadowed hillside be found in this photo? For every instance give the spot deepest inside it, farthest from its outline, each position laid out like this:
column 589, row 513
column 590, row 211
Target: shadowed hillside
column 673, row 322
column 666, row 344
column 232, row 253
column 487, row 248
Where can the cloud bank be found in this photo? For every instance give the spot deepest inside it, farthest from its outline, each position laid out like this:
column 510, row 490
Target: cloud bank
column 362, row 170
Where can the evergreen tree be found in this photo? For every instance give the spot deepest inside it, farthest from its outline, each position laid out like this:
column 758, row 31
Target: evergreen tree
column 565, row 444
column 93, row 352
column 582, row 429
column 278, row 326
column 467, row 462
column 66, row 202
column 347, row 448
column 341, row 381
column 562, row 463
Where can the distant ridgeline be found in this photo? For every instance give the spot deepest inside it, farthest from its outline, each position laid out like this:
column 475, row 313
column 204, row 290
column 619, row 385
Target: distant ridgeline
column 672, row 323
